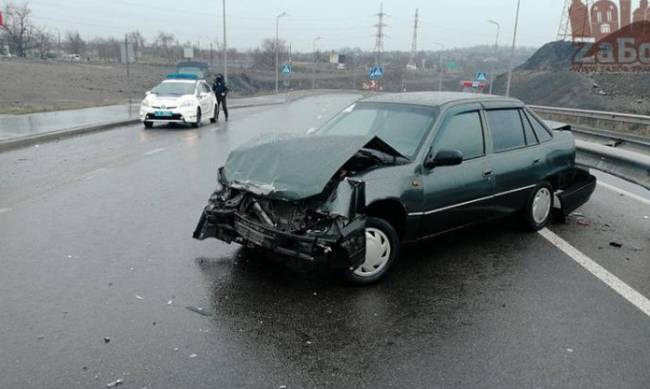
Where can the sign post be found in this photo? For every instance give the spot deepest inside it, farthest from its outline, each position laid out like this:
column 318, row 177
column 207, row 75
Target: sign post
column 375, row 74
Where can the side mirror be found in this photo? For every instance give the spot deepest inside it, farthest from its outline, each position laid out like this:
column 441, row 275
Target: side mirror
column 444, row 158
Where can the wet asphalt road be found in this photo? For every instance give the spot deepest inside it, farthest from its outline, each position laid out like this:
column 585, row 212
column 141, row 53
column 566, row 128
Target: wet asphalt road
column 95, row 241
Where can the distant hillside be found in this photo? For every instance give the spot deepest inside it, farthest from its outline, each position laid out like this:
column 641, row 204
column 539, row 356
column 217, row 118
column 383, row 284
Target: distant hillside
column 546, row 79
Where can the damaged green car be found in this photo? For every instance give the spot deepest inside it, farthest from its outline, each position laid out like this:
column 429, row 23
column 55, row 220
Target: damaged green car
column 393, row 169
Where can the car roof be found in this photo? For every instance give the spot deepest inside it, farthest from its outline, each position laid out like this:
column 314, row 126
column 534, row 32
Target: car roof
column 437, row 99
column 182, row 81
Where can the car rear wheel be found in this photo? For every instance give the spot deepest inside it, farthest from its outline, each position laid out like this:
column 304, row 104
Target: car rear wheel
column 539, row 209
column 148, row 124
column 215, row 115
column 198, row 119
column 382, row 249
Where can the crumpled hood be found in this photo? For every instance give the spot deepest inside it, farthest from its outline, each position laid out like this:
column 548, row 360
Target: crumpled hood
column 288, row 166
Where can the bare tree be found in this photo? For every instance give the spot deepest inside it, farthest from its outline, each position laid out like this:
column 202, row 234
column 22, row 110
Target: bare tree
column 137, row 40
column 264, row 56
column 164, row 43
column 74, row 43
column 18, row 28
column 43, row 42
column 107, row 50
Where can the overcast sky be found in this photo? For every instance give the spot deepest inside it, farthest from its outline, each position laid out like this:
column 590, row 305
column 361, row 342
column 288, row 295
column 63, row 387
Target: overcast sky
column 341, row 23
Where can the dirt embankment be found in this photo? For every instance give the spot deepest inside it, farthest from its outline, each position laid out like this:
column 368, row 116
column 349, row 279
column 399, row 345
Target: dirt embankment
column 32, row 86
column 547, row 79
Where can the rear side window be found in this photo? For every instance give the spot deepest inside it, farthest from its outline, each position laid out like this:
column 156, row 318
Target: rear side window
column 506, row 128
column 463, row 132
column 540, row 130
column 531, row 139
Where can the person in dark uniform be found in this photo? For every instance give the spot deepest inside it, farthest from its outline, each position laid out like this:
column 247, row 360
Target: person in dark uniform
column 221, row 91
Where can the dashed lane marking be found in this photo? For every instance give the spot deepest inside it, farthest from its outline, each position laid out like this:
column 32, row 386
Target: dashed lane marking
column 624, row 193
column 620, row 287
column 153, row 152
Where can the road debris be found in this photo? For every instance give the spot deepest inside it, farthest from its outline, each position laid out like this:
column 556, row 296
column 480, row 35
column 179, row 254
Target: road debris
column 193, row 356
column 107, row 339
column 170, row 302
column 139, row 297
column 616, row 245
column 40, row 337
column 201, row 311
column 115, row 383
column 282, row 387
column 569, row 350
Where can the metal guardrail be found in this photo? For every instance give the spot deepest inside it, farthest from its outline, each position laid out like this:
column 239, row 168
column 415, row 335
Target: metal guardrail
column 638, row 125
column 631, row 166
column 615, row 143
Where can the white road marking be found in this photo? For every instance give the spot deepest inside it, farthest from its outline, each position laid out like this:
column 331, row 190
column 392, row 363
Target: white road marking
column 624, row 193
column 5, row 210
column 153, row 152
column 620, row 287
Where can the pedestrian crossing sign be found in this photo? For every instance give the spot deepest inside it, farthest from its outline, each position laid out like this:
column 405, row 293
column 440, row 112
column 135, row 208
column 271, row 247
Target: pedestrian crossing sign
column 286, row 69
column 481, row 77
column 376, row 73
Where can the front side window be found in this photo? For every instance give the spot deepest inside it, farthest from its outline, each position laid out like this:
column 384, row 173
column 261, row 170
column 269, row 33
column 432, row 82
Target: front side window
column 402, row 126
column 507, row 130
column 463, row 132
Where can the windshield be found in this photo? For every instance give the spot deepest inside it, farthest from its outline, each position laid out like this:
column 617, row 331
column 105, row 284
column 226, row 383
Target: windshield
column 175, row 88
column 401, row 126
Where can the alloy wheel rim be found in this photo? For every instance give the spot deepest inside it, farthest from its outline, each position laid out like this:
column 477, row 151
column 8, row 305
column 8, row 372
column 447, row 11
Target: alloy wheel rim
column 542, row 205
column 378, row 250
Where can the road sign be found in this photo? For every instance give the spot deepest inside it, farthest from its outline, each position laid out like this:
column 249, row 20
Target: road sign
column 286, row 69
column 376, row 73
column 481, row 77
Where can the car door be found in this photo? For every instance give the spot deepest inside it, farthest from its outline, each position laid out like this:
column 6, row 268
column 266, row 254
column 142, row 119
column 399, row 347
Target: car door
column 206, row 101
column 518, row 159
column 455, row 196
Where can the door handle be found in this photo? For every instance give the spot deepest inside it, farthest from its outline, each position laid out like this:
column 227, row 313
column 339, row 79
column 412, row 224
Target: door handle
column 487, row 173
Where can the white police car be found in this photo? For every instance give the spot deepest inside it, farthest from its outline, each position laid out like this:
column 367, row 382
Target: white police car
column 181, row 98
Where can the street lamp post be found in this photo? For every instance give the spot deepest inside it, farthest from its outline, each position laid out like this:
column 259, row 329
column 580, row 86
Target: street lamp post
column 277, row 51
column 496, row 53
column 225, row 45
column 512, row 53
column 313, row 70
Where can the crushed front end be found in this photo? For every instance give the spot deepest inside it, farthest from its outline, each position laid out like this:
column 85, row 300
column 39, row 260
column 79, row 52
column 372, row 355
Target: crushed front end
column 326, row 229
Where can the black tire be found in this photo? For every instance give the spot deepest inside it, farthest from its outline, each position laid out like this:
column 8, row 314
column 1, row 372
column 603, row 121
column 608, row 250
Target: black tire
column 392, row 239
column 536, row 221
column 148, row 124
column 198, row 119
column 215, row 117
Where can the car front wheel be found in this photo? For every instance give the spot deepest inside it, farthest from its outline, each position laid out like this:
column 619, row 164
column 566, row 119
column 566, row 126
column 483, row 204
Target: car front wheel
column 539, row 209
column 382, row 249
column 148, row 124
column 198, row 119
